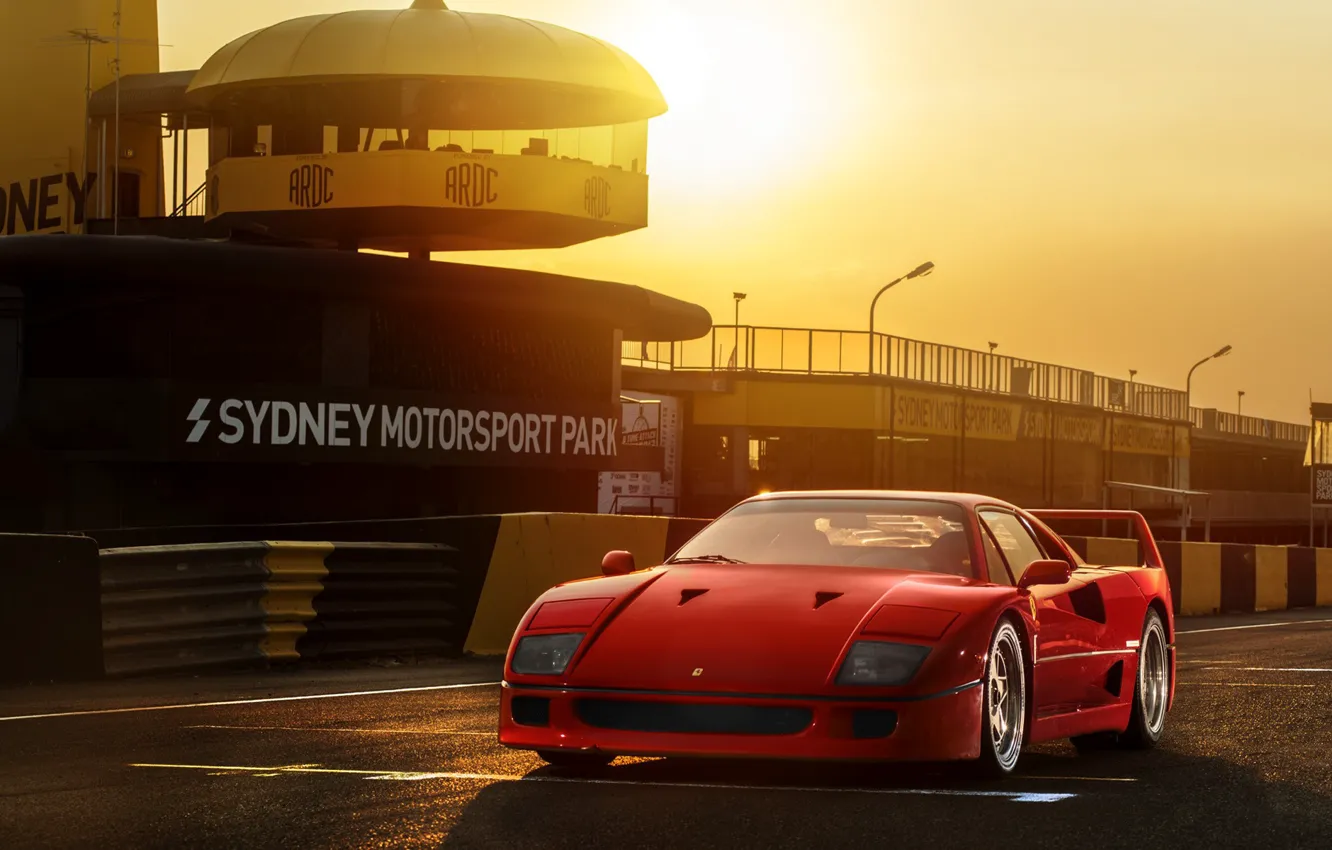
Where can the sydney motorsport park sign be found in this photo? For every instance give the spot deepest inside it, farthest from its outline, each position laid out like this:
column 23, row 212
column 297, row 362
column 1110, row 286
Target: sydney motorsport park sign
column 333, row 426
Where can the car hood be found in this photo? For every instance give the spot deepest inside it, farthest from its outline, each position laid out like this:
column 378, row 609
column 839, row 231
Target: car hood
column 747, row 628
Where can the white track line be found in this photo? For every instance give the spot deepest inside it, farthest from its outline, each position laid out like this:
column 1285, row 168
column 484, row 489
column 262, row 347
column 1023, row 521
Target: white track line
column 1284, row 669
column 406, row 776
column 300, row 698
column 1326, row 622
column 1246, row 685
column 491, row 734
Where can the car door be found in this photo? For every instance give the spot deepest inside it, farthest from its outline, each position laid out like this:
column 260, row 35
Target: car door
column 1063, row 638
column 1108, row 608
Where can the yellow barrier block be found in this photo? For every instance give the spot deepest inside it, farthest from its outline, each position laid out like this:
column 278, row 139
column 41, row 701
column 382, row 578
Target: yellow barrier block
column 1271, row 591
column 1199, row 579
column 290, row 602
column 1112, row 552
column 1324, row 568
column 289, row 560
column 296, row 573
column 534, row 552
column 280, row 644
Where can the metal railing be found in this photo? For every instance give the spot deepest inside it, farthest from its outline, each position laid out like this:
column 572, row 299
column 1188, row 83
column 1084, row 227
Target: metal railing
column 1209, row 419
column 831, row 352
column 195, row 205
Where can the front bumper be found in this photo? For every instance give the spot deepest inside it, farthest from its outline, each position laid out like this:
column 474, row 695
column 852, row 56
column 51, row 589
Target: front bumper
column 936, row 727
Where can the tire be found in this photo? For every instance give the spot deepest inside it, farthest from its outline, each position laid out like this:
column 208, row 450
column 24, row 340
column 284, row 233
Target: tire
column 1004, row 707
column 1151, row 696
column 1151, row 690
column 564, row 758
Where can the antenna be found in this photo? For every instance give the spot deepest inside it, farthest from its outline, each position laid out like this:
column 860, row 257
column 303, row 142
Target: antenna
column 88, row 38
column 120, row 40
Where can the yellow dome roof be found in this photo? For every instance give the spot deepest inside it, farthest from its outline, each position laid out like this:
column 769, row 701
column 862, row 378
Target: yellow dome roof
column 494, row 55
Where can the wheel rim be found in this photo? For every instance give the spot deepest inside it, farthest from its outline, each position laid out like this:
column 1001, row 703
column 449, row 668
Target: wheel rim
column 1154, row 679
column 1006, row 692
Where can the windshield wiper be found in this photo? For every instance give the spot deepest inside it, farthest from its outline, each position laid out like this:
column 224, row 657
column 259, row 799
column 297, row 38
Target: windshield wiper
column 707, row 559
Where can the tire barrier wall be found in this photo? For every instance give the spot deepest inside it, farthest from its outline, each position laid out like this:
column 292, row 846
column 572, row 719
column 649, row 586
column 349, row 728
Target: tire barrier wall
column 382, row 598
column 1228, row 578
column 180, row 607
column 471, row 600
column 221, row 604
column 50, row 609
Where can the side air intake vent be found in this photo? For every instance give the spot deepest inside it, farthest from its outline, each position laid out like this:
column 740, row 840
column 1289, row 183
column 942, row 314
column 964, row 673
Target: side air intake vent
column 1088, row 604
column 1115, row 678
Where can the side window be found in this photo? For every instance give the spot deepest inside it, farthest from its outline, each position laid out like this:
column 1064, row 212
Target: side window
column 1053, row 550
column 1019, row 547
column 999, row 573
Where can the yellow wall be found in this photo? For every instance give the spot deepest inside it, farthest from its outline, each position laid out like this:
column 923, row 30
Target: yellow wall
column 908, row 410
column 42, row 101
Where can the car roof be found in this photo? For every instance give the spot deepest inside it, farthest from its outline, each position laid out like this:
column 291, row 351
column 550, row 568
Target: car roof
column 969, row 500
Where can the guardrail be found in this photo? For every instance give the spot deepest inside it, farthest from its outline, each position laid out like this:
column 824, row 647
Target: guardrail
column 217, row 604
column 1233, row 424
column 812, row 351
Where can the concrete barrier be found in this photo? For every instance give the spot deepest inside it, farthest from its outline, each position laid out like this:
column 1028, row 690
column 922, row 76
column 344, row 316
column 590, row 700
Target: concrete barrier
column 1228, row 578
column 534, row 552
column 50, row 609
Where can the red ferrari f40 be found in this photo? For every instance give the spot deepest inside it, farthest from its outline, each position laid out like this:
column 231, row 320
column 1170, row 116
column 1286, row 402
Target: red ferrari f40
column 849, row 626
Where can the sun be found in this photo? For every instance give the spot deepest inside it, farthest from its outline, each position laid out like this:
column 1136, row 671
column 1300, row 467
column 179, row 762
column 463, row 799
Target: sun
column 748, row 92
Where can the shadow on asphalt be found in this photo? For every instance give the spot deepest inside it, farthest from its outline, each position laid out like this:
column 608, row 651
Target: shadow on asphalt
column 1176, row 801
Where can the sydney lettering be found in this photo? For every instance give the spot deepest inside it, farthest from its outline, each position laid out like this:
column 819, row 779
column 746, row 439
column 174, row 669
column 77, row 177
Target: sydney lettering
column 37, row 204
column 345, row 425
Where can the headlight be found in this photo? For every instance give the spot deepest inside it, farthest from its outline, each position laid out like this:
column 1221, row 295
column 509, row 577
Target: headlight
column 545, row 655
column 878, row 663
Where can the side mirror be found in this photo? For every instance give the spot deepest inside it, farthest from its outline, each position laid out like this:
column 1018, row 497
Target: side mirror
column 1046, row 572
column 618, row 563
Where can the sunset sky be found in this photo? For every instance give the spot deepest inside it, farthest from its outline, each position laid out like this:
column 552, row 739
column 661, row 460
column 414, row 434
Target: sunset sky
column 1107, row 185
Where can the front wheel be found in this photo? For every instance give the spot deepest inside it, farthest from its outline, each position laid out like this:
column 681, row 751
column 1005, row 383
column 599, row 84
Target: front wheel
column 1004, row 721
column 564, row 758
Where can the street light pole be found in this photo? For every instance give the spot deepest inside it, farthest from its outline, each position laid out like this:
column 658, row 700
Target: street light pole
column 1239, row 405
column 919, row 271
column 1188, row 383
column 738, row 296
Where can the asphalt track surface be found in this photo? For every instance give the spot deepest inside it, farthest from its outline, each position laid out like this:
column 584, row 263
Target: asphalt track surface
column 406, row 757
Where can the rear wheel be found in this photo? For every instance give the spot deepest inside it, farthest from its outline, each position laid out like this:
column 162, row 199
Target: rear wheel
column 1004, row 720
column 563, row 758
column 1151, row 695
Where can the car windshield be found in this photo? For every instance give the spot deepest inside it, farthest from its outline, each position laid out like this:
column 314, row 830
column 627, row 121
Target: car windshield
column 884, row 533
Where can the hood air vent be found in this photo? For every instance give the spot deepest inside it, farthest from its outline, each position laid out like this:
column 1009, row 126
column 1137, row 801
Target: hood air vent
column 686, row 595
column 823, row 597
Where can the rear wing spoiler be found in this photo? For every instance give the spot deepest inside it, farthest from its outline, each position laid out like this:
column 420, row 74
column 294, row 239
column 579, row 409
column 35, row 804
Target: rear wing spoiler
column 1146, row 540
